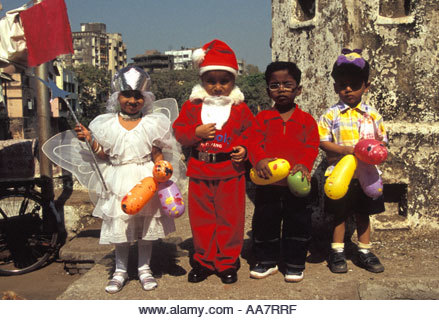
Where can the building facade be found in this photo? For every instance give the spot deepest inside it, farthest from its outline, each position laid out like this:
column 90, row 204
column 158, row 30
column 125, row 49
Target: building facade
column 182, row 58
column 154, row 61
column 117, row 53
column 399, row 38
column 19, row 105
column 94, row 46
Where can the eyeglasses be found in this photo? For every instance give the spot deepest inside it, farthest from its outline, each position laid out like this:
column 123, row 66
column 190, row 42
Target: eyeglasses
column 288, row 86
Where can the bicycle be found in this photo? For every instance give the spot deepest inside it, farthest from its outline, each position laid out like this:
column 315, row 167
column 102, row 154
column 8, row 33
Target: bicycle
column 29, row 229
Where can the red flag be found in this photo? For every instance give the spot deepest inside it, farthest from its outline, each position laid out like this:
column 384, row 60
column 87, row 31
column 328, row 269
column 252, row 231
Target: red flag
column 47, row 31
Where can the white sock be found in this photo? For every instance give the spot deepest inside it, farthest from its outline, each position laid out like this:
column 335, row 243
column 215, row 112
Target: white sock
column 338, row 247
column 146, row 278
column 144, row 253
column 122, row 251
column 364, row 247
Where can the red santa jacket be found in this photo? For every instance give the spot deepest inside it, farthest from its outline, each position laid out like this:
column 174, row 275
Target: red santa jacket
column 239, row 130
column 296, row 140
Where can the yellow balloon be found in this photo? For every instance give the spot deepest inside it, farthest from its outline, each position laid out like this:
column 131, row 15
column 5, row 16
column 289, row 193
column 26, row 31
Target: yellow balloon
column 337, row 184
column 280, row 168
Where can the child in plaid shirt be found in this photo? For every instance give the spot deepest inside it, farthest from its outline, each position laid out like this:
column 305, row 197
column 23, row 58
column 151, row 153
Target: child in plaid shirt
column 340, row 128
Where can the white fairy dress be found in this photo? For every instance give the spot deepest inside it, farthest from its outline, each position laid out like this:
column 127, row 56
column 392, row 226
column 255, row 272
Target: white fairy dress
column 130, row 161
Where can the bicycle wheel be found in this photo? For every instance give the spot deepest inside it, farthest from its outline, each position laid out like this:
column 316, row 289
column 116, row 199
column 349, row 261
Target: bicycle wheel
column 28, row 238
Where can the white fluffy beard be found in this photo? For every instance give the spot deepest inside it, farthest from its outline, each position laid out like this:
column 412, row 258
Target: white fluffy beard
column 216, row 109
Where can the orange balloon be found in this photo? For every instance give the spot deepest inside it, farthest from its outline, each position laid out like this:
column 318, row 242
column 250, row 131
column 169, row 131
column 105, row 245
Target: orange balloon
column 162, row 171
column 139, row 195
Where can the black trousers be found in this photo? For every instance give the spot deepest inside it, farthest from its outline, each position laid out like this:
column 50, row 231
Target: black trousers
column 281, row 227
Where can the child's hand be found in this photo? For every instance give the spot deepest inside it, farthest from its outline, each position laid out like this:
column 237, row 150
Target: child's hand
column 305, row 172
column 206, row 131
column 262, row 169
column 347, row 150
column 238, row 154
column 335, row 152
column 82, row 133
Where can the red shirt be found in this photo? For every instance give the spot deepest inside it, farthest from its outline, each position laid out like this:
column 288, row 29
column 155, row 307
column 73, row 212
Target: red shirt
column 239, row 130
column 296, row 140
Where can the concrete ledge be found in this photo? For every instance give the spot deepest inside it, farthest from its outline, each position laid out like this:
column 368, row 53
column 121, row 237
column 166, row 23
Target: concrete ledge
column 410, row 288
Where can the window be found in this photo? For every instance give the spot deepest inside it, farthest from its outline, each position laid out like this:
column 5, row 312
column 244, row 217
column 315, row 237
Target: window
column 306, row 9
column 304, row 14
column 395, row 12
column 395, row 8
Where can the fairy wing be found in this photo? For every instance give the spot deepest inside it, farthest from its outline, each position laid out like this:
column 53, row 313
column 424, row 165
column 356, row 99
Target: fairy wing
column 67, row 151
column 168, row 107
column 173, row 153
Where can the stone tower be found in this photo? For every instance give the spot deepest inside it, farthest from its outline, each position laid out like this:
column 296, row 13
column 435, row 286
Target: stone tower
column 400, row 40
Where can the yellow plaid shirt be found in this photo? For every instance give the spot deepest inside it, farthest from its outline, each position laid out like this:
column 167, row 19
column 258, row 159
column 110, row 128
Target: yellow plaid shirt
column 341, row 124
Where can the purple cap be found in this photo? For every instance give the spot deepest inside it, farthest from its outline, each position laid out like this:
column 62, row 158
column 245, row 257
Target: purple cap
column 351, row 57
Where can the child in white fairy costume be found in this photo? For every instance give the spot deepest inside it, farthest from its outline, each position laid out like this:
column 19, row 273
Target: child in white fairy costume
column 129, row 139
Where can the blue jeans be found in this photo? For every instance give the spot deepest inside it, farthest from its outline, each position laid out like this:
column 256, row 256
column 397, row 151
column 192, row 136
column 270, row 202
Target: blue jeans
column 281, row 227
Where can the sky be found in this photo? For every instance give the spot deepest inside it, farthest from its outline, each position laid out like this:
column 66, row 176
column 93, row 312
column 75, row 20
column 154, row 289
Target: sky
column 245, row 25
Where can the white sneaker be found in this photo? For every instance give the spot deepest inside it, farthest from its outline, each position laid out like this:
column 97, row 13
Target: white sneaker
column 261, row 271
column 293, row 276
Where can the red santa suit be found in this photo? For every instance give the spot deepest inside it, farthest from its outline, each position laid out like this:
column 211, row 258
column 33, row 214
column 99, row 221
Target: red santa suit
column 217, row 185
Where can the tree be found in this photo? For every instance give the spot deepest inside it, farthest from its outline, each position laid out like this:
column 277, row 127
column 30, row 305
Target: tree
column 254, row 88
column 175, row 84
column 94, row 88
column 251, row 69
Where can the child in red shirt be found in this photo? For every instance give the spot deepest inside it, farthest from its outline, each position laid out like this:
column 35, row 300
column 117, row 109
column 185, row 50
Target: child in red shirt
column 291, row 134
column 219, row 127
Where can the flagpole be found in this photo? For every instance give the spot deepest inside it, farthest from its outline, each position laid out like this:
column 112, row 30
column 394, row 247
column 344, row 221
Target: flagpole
column 44, row 132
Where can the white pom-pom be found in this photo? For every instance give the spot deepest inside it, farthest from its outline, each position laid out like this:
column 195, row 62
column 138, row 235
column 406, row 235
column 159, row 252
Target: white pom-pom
column 198, row 56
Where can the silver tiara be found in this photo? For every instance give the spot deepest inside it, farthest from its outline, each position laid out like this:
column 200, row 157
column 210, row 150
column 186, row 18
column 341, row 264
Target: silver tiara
column 131, row 78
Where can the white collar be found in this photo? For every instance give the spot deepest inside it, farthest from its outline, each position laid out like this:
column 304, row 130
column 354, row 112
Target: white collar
column 199, row 93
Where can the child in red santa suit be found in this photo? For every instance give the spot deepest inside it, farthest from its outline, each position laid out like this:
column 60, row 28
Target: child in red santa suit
column 220, row 129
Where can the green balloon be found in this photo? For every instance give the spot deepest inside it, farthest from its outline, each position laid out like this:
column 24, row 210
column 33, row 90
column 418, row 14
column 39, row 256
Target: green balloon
column 298, row 187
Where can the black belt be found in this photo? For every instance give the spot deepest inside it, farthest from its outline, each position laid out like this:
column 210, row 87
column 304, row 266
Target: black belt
column 210, row 157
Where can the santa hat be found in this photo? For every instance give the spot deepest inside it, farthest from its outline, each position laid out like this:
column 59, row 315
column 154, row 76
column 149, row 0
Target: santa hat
column 215, row 55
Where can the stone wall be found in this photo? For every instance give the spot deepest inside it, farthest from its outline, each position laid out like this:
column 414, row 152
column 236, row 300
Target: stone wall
column 400, row 40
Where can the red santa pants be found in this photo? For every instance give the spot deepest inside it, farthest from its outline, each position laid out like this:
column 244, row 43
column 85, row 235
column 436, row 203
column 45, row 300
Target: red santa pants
column 216, row 215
